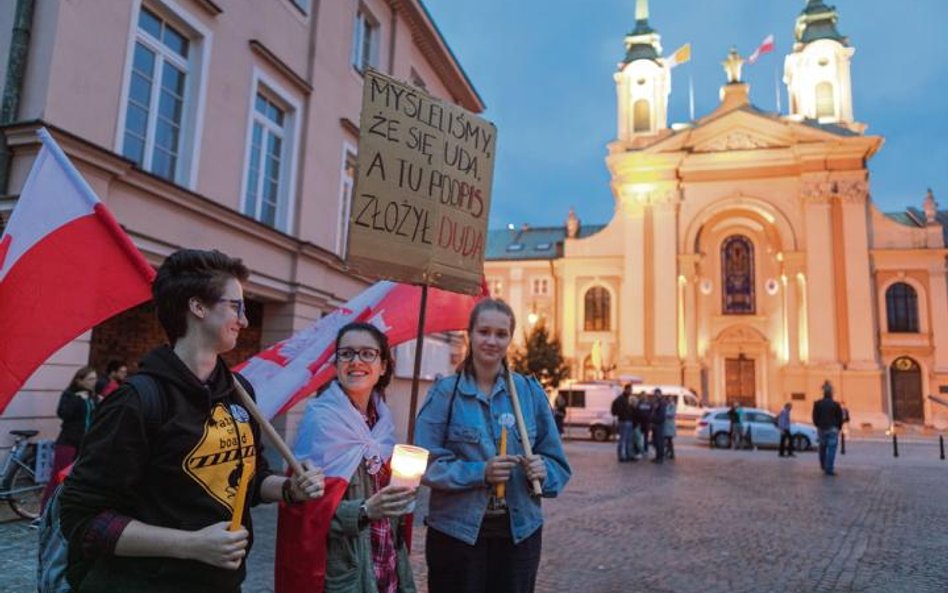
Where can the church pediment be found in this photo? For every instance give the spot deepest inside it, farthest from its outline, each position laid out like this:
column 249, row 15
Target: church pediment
column 737, row 140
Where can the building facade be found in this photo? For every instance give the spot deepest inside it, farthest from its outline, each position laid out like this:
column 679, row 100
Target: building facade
column 204, row 124
column 745, row 258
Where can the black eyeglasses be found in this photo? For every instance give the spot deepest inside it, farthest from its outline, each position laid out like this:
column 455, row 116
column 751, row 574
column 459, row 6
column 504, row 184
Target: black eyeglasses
column 364, row 354
column 238, row 305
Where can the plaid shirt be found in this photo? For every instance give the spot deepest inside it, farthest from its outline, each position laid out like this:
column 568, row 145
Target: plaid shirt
column 383, row 540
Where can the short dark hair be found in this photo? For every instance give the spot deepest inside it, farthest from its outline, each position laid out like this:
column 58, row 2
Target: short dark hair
column 187, row 274
column 114, row 365
column 385, row 351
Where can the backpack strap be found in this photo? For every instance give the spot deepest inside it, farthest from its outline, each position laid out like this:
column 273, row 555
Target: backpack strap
column 153, row 401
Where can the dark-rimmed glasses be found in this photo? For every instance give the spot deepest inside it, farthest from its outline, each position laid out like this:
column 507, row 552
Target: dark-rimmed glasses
column 364, row 354
column 238, row 305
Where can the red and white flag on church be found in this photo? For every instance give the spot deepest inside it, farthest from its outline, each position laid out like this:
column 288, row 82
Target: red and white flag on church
column 65, row 266
column 766, row 46
column 295, row 368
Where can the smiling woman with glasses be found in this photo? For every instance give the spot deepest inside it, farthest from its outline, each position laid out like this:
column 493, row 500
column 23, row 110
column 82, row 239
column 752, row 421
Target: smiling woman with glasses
column 349, row 430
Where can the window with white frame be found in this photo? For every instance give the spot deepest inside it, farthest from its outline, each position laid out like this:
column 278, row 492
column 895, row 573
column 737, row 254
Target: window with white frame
column 266, row 186
column 541, row 286
column 365, row 41
column 349, row 160
column 160, row 98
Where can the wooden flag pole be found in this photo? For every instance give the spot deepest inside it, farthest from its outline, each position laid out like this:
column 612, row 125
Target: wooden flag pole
column 521, row 425
column 419, row 346
column 268, row 429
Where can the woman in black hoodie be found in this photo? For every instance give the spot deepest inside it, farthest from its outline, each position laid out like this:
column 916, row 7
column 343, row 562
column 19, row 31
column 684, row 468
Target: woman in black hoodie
column 76, row 405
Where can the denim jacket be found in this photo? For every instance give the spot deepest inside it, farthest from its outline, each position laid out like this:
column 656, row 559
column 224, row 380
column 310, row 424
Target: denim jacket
column 460, row 450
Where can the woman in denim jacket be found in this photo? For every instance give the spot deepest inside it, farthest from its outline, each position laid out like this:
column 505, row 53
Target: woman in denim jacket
column 478, row 541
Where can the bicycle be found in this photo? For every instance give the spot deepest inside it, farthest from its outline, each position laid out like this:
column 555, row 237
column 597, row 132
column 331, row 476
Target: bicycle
column 18, row 485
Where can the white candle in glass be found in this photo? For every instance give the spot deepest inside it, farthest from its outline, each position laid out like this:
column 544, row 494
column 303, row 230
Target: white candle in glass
column 408, row 465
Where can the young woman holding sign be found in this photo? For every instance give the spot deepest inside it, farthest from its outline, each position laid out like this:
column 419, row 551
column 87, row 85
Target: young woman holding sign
column 481, row 540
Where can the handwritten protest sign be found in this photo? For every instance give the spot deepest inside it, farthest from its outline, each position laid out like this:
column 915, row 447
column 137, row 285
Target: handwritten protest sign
column 419, row 212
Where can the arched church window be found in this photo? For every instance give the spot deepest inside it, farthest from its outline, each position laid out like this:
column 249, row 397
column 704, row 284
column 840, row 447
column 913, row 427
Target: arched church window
column 642, row 116
column 901, row 304
column 737, row 276
column 597, row 309
column 825, row 101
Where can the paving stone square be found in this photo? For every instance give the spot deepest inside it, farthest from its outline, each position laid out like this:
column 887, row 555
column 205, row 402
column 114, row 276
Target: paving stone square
column 710, row 521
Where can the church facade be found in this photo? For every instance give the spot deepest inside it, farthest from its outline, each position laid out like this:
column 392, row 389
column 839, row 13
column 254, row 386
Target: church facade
column 745, row 258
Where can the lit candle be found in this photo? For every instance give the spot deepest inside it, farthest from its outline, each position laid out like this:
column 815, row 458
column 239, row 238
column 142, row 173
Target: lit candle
column 408, row 465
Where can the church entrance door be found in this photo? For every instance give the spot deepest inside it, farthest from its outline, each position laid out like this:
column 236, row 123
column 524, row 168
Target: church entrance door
column 739, row 381
column 907, row 401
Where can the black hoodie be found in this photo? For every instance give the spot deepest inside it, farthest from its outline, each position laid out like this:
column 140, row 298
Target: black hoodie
column 181, row 473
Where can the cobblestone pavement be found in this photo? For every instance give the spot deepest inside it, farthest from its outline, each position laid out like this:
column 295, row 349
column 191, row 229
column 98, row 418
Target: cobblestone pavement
column 711, row 521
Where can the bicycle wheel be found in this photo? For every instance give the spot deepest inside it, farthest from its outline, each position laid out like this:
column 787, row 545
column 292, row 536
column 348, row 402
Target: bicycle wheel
column 26, row 493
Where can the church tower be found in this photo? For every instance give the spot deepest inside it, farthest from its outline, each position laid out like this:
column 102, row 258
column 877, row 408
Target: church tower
column 817, row 71
column 643, row 81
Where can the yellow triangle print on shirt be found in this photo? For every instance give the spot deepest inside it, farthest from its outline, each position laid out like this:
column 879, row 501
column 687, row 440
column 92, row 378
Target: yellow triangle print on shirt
column 214, row 463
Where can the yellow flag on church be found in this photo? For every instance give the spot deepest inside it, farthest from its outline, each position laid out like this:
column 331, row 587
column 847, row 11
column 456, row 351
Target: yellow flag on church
column 681, row 55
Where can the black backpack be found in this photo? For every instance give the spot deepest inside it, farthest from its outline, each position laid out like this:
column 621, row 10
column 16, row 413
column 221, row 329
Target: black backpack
column 53, row 551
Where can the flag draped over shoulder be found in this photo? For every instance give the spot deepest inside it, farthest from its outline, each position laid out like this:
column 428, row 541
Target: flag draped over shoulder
column 681, row 55
column 766, row 46
column 332, row 435
column 65, row 266
column 295, row 368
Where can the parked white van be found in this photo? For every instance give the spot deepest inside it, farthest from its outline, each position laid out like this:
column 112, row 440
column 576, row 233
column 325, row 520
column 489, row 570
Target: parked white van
column 688, row 408
column 589, row 405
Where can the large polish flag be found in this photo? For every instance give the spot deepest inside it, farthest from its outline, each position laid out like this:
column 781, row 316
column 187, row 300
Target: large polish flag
column 65, row 266
column 297, row 367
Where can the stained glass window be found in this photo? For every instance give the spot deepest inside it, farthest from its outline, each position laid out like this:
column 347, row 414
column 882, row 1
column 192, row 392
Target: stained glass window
column 737, row 276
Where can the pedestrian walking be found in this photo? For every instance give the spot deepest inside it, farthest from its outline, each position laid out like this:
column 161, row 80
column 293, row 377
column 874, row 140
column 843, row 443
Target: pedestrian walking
column 783, row 425
column 623, row 414
column 671, row 431
column 657, row 423
column 480, row 540
column 828, row 419
column 734, row 415
column 148, row 505
column 642, row 417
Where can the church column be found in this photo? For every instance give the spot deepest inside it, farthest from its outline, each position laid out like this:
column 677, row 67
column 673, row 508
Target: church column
column 632, row 311
column 665, row 273
column 860, row 304
column 793, row 263
column 938, row 320
column 820, row 280
column 689, row 270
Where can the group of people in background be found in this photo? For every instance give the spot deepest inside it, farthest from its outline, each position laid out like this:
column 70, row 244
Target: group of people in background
column 645, row 418
column 152, row 502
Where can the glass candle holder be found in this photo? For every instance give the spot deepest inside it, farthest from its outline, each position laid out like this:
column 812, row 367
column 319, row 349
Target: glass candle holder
column 408, row 465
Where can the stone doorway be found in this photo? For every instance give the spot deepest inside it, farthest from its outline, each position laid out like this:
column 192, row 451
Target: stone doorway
column 740, row 381
column 907, row 401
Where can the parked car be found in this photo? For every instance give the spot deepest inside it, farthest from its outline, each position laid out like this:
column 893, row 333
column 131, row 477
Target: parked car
column 589, row 405
column 715, row 427
column 688, row 409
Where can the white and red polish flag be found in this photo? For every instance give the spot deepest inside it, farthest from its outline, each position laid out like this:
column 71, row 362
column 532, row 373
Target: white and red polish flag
column 65, row 265
column 334, row 436
column 297, row 367
column 766, row 46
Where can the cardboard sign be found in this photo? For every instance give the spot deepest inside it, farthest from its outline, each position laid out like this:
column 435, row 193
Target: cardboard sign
column 422, row 195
